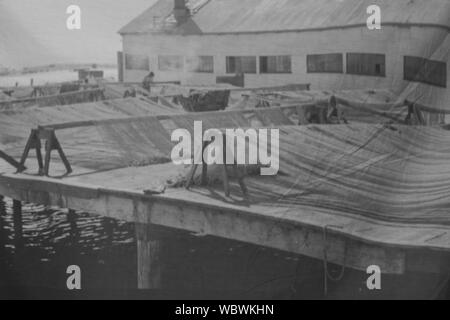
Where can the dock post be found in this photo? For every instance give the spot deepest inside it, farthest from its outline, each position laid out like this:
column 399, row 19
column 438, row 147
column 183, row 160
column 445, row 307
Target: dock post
column 18, row 224
column 148, row 258
column 3, row 236
column 72, row 219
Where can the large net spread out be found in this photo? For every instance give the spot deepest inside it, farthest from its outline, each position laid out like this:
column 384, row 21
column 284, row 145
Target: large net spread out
column 381, row 169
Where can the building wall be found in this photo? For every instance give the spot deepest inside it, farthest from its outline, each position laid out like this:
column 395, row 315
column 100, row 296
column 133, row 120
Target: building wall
column 394, row 42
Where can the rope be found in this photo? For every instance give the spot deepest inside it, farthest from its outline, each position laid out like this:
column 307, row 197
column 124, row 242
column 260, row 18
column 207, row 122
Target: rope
column 327, row 274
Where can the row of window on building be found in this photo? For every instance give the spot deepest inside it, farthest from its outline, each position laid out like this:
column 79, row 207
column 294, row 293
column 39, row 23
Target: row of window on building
column 415, row 68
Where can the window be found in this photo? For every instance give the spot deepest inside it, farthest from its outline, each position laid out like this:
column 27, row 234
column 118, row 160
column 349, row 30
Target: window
column 325, row 63
column 425, row 71
column 241, row 64
column 170, row 63
column 275, row 64
column 366, row 64
column 136, row 62
column 204, row 64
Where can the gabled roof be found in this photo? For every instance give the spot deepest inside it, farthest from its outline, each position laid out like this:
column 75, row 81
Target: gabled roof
column 159, row 17
column 250, row 16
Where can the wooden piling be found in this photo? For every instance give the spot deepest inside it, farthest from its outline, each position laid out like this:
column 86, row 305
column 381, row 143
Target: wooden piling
column 108, row 227
column 72, row 219
column 149, row 249
column 3, row 236
column 18, row 224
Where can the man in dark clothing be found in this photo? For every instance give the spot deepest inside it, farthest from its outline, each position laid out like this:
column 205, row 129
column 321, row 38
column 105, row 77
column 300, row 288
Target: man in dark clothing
column 148, row 81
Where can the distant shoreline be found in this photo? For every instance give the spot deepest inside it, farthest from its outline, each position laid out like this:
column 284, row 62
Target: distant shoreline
column 44, row 76
column 5, row 71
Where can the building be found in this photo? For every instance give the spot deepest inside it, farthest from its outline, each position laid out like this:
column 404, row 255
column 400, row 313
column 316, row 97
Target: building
column 322, row 42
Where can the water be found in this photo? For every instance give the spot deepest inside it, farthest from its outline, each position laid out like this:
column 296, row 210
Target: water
column 193, row 267
column 105, row 250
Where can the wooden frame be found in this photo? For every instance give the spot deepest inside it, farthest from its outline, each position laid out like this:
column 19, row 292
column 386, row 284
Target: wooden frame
column 19, row 166
column 226, row 178
column 52, row 143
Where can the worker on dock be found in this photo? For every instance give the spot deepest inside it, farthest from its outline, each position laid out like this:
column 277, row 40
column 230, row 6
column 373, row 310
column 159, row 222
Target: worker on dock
column 334, row 115
column 148, row 81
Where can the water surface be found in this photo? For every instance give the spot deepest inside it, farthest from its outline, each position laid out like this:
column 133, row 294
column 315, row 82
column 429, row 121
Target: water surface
column 105, row 250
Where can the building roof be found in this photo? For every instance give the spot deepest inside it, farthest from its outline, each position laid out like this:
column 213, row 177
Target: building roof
column 255, row 16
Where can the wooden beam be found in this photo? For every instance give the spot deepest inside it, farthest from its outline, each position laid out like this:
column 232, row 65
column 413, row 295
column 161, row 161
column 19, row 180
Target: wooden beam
column 369, row 107
column 90, row 123
column 12, row 161
column 288, row 87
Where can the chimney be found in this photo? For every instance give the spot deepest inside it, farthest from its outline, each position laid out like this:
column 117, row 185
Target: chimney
column 181, row 12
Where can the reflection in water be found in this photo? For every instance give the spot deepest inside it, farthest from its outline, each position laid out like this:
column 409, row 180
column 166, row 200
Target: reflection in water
column 193, row 267
column 54, row 239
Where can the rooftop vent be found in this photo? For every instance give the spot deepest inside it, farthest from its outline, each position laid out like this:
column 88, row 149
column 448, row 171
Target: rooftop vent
column 181, row 12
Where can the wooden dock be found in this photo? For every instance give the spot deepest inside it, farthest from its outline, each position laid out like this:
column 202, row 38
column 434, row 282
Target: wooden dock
column 355, row 243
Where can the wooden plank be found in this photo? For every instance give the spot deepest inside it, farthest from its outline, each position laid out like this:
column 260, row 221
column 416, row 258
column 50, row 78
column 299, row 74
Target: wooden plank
column 11, row 161
column 90, row 123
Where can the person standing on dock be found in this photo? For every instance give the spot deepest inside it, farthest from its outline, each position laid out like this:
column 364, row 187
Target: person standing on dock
column 148, row 81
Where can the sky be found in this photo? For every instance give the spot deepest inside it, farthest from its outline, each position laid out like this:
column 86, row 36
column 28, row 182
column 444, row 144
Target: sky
column 34, row 32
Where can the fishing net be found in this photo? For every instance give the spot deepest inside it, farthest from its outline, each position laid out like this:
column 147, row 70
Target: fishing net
column 148, row 140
